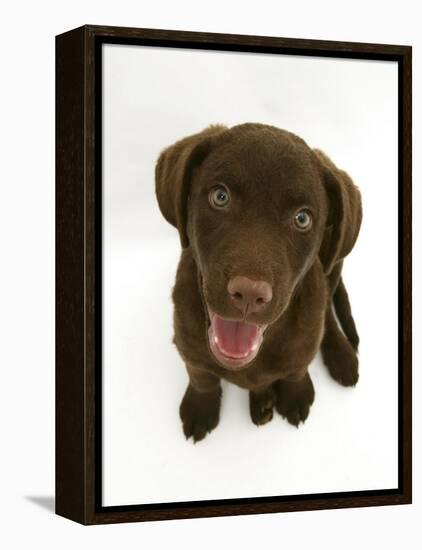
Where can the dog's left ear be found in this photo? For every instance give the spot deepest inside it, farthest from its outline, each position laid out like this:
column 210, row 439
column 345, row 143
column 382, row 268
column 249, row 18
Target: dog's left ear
column 173, row 173
column 344, row 213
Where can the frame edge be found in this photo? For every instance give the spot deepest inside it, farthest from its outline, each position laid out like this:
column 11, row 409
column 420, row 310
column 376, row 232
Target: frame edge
column 70, row 422
column 406, row 152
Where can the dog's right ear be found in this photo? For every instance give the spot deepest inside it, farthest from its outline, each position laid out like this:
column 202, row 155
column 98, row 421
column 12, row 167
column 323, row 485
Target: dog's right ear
column 173, row 173
column 345, row 213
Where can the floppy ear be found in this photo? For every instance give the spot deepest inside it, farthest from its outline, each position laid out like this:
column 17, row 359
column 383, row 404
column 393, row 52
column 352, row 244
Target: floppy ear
column 344, row 213
column 173, row 173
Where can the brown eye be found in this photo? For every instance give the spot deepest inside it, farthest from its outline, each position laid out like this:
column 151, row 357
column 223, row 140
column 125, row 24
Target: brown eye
column 303, row 219
column 219, row 197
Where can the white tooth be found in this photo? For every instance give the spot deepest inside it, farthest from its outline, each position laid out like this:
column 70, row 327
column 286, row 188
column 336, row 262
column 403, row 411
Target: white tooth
column 255, row 346
column 216, row 339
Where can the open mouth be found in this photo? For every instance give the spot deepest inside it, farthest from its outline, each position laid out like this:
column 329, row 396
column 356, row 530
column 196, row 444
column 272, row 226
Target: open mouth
column 234, row 343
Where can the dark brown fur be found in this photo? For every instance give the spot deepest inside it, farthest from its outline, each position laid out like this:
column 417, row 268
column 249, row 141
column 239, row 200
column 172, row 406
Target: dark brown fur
column 270, row 173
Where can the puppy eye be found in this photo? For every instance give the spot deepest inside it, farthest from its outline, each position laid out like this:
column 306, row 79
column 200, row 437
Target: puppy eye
column 303, row 219
column 219, row 197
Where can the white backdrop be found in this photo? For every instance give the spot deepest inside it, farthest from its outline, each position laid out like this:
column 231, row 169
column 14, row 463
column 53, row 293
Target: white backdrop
column 27, row 274
column 153, row 97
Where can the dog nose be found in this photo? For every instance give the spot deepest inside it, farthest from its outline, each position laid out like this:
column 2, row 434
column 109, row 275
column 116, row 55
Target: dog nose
column 249, row 295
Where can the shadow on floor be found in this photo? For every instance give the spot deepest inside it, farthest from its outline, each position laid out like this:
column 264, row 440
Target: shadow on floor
column 46, row 502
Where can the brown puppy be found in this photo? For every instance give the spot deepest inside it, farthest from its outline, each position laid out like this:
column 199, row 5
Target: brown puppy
column 264, row 223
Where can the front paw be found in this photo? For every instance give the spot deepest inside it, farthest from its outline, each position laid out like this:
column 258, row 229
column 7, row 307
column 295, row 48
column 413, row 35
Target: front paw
column 200, row 412
column 294, row 399
column 261, row 406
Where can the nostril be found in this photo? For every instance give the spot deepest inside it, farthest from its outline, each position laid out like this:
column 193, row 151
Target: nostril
column 249, row 294
column 265, row 293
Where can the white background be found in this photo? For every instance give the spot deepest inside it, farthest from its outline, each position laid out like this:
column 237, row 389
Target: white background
column 27, row 276
column 152, row 97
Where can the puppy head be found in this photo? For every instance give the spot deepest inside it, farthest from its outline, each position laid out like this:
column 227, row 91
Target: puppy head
column 258, row 207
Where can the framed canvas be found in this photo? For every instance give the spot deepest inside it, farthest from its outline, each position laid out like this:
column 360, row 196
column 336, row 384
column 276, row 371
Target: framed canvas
column 208, row 190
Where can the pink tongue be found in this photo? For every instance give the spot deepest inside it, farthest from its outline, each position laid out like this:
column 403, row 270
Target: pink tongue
column 234, row 338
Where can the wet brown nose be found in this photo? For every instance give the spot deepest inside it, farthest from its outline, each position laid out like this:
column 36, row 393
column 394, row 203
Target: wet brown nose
column 249, row 295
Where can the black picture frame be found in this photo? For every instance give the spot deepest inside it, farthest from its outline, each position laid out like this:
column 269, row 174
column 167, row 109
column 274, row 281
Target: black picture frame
column 78, row 273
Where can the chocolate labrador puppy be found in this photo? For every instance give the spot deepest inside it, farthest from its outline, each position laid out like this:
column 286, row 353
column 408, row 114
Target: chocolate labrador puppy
column 265, row 223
